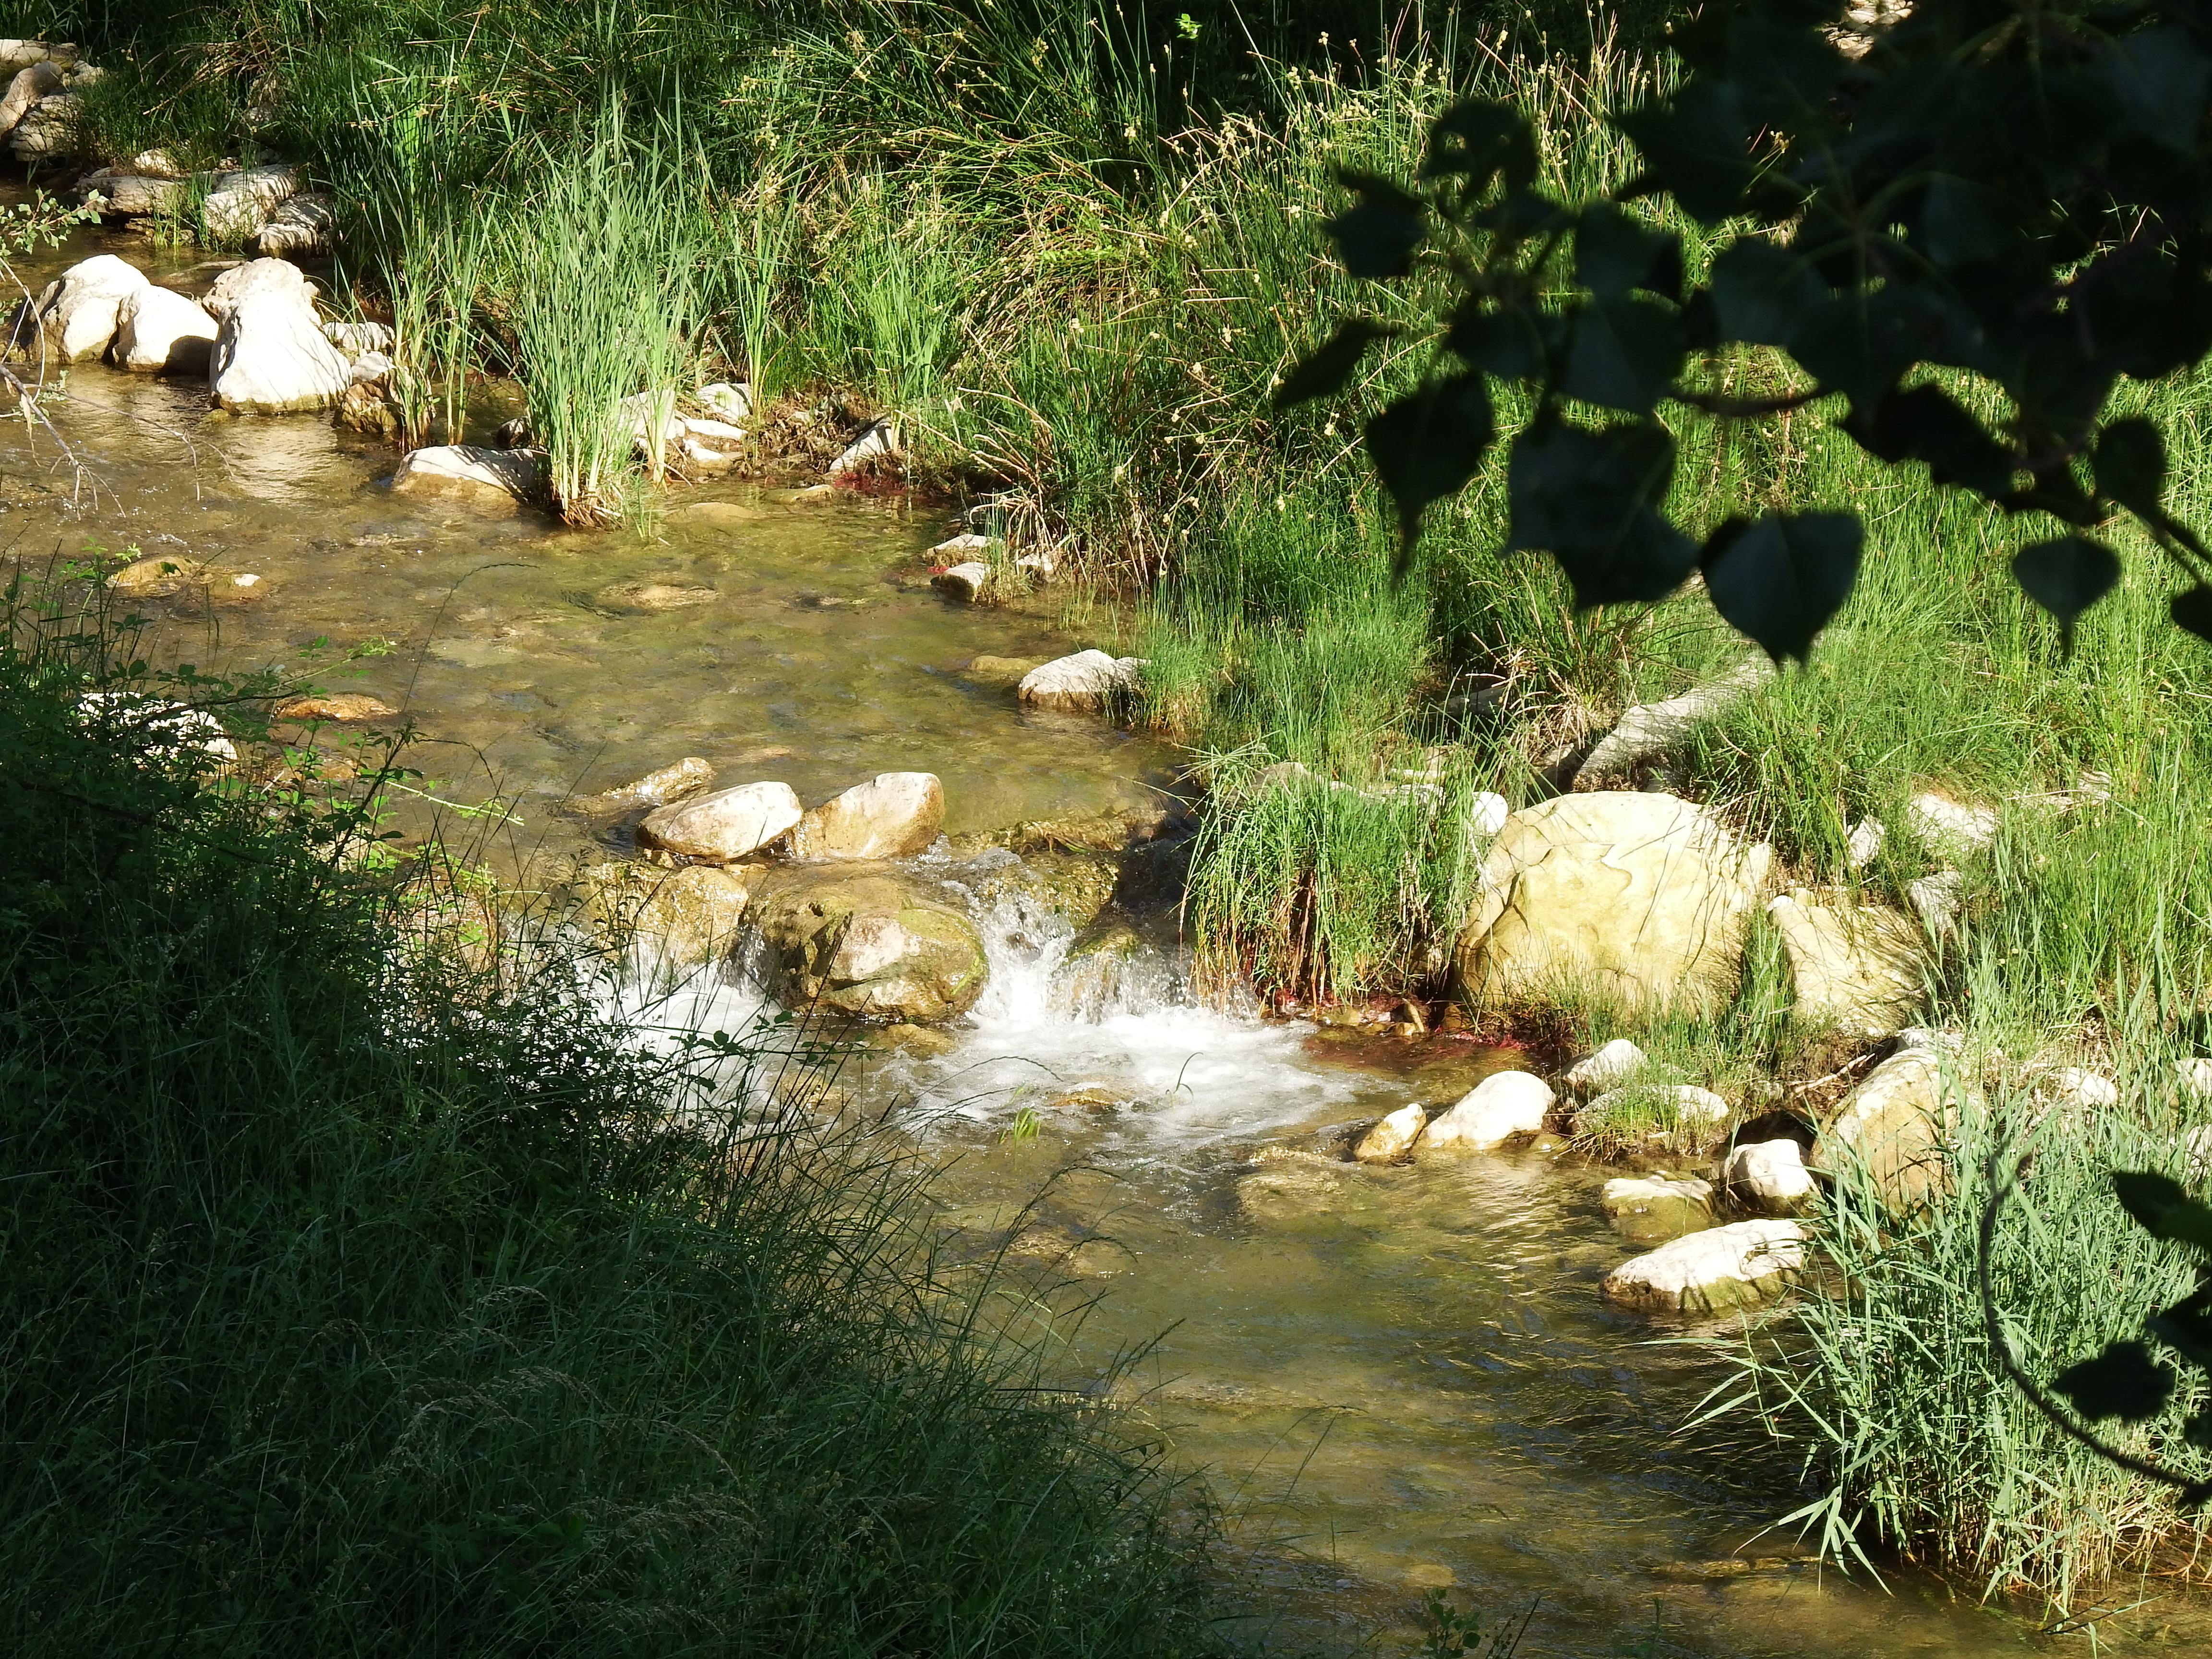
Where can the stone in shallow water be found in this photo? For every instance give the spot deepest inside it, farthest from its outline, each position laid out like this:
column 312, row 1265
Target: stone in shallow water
column 80, row 311
column 890, row 816
column 1394, row 1137
column 867, row 942
column 499, row 479
column 1712, row 1270
column 334, row 706
column 1768, row 1177
column 1657, row 1206
column 1503, row 1106
column 159, row 333
column 724, row 825
column 650, row 598
column 1081, row 684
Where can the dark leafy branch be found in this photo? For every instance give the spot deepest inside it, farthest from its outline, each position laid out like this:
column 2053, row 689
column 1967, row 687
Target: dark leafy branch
column 1995, row 189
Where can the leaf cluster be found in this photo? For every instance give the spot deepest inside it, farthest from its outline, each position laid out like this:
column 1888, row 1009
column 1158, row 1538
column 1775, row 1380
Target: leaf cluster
column 1998, row 190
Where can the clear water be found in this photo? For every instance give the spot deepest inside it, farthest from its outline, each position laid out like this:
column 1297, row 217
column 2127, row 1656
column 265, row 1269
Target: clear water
column 1412, row 1383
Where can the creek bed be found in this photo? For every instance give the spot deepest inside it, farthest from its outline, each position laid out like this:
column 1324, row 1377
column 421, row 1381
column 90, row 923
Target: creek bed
column 1409, row 1383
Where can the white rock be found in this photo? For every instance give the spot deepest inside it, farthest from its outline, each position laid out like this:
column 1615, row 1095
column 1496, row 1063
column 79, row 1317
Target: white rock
column 240, row 203
column 79, row 311
column 493, row 477
column 891, row 815
column 2196, row 1145
column 1769, row 1175
column 1865, row 843
column 165, row 729
column 354, row 338
column 35, row 82
column 48, row 129
column 724, row 825
column 270, row 356
column 1650, row 728
column 2194, row 1079
column 369, row 367
column 1856, row 966
column 963, row 582
column 256, row 279
column 161, row 332
column 732, row 401
column 303, row 225
column 1393, row 1137
column 879, row 442
column 1610, row 1066
column 21, row 54
column 153, row 164
column 1937, row 899
column 1486, row 813
column 959, row 544
column 1658, row 1204
column 1712, row 1271
column 1503, row 1105
column 131, row 195
column 1081, row 682
column 1950, row 825
column 1640, row 898
column 1041, row 564
column 2077, row 1085
column 1895, row 1124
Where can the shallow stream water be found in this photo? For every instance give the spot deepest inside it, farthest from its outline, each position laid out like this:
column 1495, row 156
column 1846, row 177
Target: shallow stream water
column 1407, row 1384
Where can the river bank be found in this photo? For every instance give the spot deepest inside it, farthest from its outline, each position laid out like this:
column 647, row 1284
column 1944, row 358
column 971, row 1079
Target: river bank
column 2016, row 825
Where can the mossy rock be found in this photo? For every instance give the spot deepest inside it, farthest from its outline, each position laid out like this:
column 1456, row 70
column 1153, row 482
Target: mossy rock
column 869, row 942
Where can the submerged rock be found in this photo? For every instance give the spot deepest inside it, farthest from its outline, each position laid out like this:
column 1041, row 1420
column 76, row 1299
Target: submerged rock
column 1853, row 965
column 1768, row 1177
column 1611, row 1065
column 1656, row 1207
column 498, row 478
column 890, row 816
column 867, row 942
column 963, row 582
column 1504, row 1105
column 656, row 788
column 161, row 332
column 80, row 311
column 1641, row 898
column 1081, row 684
column 1393, row 1137
column 1289, row 1183
column 723, row 826
column 650, row 598
column 1712, row 1270
column 334, row 706
column 1001, row 671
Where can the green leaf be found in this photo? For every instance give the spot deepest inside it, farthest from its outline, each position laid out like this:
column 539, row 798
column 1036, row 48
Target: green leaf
column 1477, row 141
column 2193, row 611
column 2186, row 1328
column 1377, row 238
column 2123, row 1382
column 1780, row 578
column 1615, row 253
column 2066, row 575
column 1624, row 355
column 1698, row 144
column 1514, row 344
column 1325, row 369
column 1860, row 343
column 2129, row 465
column 1925, row 423
column 2159, row 78
column 2160, row 1205
column 1762, row 293
column 1588, row 498
column 1427, row 444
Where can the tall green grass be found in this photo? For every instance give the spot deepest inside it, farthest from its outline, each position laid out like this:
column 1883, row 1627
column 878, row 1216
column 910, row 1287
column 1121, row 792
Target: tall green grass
column 366, row 1296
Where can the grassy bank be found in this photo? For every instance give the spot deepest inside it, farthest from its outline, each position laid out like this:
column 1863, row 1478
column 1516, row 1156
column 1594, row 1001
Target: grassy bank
column 361, row 1299
column 1071, row 248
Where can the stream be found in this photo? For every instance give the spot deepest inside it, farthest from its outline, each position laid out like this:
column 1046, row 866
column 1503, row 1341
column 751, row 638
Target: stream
column 1401, row 1378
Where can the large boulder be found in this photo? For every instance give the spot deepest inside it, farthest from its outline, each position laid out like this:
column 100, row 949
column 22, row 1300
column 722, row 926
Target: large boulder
column 1894, row 1126
column 1641, row 898
column 1712, row 1270
column 724, row 826
column 1856, row 966
column 1081, row 684
column 1504, row 1105
column 40, row 79
column 270, row 357
column 1768, row 1177
column 501, row 480
column 79, row 312
column 892, row 815
column 867, row 942
column 48, row 131
column 161, row 332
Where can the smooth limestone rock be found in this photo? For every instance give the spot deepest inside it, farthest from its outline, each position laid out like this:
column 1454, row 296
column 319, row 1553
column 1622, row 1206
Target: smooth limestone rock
column 960, row 548
column 724, row 825
column 1393, row 1137
column 965, row 582
column 1504, row 1105
column 21, row 54
column 1000, row 671
column 2079, row 1086
column 302, row 226
column 657, row 787
column 48, row 129
column 132, row 194
column 354, row 338
column 879, row 442
column 689, row 915
column 732, row 401
column 1867, row 839
column 161, row 332
column 270, row 357
column 1937, row 899
column 239, row 204
column 500, row 479
column 1610, row 1066
column 867, row 942
column 1651, row 1207
column 1854, row 965
column 35, row 82
column 891, row 815
column 1640, row 898
column 1678, row 1105
column 1768, row 1177
column 1651, row 728
column 1954, row 828
column 1894, row 1126
column 1081, row 684
column 334, row 706
column 79, row 312
column 1712, row 1270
